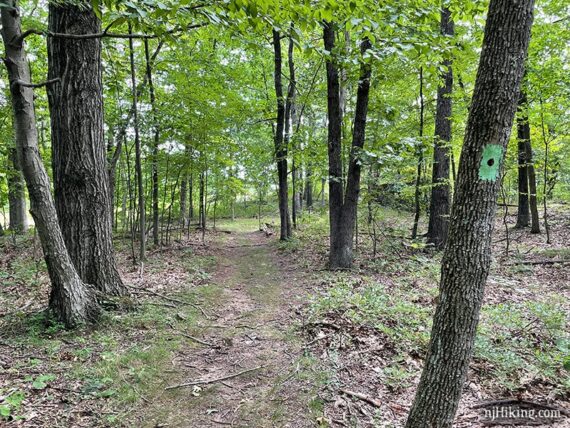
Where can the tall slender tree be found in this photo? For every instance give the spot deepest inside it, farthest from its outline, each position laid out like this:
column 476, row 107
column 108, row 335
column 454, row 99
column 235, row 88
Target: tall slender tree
column 467, row 256
column 527, row 200
column 155, row 144
column 138, row 154
column 523, row 134
column 280, row 143
column 81, row 181
column 71, row 300
column 343, row 201
column 440, row 194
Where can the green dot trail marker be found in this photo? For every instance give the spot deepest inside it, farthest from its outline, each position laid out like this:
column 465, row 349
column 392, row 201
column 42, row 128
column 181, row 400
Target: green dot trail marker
column 491, row 161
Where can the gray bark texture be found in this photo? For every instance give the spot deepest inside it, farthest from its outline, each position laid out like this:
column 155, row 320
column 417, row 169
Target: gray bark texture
column 343, row 202
column 71, row 300
column 16, row 195
column 467, row 255
column 439, row 203
column 81, row 181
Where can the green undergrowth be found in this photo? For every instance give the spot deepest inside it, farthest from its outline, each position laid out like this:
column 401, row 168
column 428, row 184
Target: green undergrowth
column 122, row 362
column 518, row 345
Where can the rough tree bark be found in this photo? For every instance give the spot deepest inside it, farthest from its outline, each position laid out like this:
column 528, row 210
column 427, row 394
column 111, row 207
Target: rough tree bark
column 81, row 185
column 467, row 256
column 343, row 202
column 439, row 203
column 523, row 134
column 280, row 146
column 71, row 300
column 16, row 194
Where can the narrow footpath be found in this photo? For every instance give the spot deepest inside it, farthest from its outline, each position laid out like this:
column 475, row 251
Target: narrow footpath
column 245, row 368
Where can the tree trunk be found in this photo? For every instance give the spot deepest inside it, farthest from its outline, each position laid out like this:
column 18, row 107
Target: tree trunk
column 439, row 203
column 417, row 194
column 138, row 159
column 71, row 300
column 535, row 222
column 523, row 134
column 16, row 194
column 79, row 163
column 291, row 119
column 191, row 197
column 183, row 199
column 342, row 207
column 467, row 256
column 280, row 144
column 308, row 188
column 202, row 205
column 156, row 142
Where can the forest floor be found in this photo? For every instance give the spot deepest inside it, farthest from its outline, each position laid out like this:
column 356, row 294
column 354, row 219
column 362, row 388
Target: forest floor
column 265, row 336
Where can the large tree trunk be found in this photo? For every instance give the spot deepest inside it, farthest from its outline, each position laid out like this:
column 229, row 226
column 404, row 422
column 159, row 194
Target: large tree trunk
column 467, row 256
column 16, row 195
column 280, row 144
column 71, row 301
column 439, row 204
column 523, row 134
column 342, row 207
column 78, row 147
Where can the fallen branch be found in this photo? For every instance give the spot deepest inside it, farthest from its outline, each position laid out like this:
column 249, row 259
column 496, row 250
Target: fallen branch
column 170, row 299
column 315, row 340
column 200, row 341
column 219, row 379
column 537, row 262
column 362, row 397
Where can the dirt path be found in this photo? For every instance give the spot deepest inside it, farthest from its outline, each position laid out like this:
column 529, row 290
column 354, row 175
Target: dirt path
column 252, row 329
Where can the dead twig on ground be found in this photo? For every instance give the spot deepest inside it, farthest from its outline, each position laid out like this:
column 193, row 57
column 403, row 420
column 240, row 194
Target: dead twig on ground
column 362, row 397
column 170, row 299
column 200, row 341
column 215, row 380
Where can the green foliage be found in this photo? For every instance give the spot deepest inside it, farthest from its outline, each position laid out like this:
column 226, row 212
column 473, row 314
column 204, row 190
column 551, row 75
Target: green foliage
column 11, row 403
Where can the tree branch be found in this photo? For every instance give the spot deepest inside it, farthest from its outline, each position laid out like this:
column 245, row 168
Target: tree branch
column 105, row 34
column 35, row 85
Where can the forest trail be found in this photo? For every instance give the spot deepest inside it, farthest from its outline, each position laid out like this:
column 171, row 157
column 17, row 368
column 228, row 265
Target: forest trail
column 252, row 329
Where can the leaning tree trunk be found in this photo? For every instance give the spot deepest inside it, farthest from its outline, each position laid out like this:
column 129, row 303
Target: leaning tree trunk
column 280, row 145
column 81, row 181
column 467, row 256
column 523, row 134
column 16, row 195
column 71, row 301
column 439, row 203
column 343, row 206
